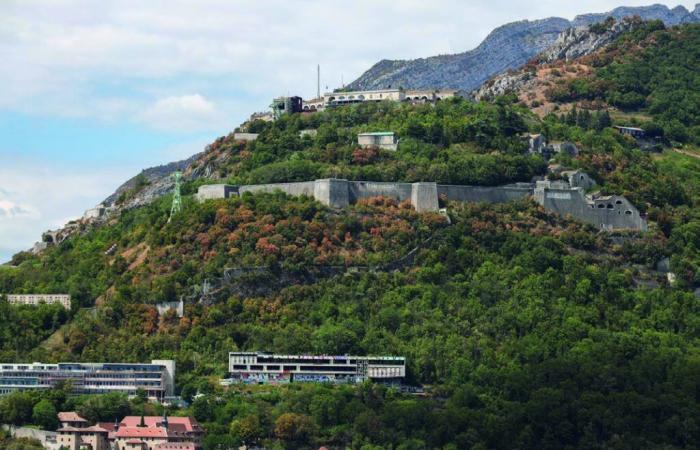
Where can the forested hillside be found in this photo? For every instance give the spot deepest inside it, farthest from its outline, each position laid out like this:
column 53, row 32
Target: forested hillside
column 524, row 329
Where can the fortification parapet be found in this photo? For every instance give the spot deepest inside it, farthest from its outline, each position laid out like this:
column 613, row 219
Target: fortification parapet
column 561, row 197
column 332, row 192
column 424, row 197
column 214, row 191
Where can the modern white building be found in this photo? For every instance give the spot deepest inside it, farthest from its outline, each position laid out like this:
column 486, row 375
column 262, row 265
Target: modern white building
column 35, row 299
column 263, row 368
column 386, row 140
column 156, row 378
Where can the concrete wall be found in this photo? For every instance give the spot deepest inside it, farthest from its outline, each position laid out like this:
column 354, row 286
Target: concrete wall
column 579, row 179
column 616, row 212
column 214, row 191
column 367, row 189
column 301, row 188
column 424, row 197
column 245, row 136
column 485, row 194
column 609, row 213
column 384, row 141
column 47, row 438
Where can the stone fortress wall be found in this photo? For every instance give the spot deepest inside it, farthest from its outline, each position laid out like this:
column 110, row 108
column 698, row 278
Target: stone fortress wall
column 561, row 197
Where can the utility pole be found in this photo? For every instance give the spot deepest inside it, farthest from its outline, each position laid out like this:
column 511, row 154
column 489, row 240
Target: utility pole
column 318, row 81
column 177, row 199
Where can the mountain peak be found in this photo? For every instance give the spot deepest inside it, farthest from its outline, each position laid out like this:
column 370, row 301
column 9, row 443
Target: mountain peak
column 507, row 47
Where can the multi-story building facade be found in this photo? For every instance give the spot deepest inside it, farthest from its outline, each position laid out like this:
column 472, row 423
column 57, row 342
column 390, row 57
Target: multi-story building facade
column 35, row 299
column 156, row 378
column 131, row 433
column 258, row 367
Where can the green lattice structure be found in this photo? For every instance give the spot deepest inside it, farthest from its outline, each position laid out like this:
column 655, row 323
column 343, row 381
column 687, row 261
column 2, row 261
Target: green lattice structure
column 177, row 199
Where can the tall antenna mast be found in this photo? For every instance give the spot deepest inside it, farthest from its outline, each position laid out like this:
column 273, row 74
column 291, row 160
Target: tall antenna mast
column 177, row 200
column 318, row 81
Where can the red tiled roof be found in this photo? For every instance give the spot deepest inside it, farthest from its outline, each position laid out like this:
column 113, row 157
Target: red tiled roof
column 70, row 416
column 109, row 426
column 95, row 429
column 140, row 432
column 189, row 423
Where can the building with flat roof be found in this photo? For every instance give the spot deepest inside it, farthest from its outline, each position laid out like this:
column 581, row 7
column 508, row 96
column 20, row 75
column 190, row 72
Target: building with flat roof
column 156, row 378
column 36, row 299
column 331, row 99
column 263, row 368
column 631, row 131
column 381, row 139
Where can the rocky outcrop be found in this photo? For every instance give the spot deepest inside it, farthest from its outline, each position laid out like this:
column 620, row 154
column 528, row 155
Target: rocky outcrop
column 580, row 41
column 570, row 44
column 156, row 183
column 507, row 47
column 504, row 48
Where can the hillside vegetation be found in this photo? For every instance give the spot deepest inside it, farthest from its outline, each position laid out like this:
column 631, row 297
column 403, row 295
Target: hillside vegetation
column 652, row 69
column 527, row 330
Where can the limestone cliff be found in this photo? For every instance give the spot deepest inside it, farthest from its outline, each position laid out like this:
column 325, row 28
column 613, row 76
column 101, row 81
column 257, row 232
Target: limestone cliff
column 507, row 47
column 570, row 44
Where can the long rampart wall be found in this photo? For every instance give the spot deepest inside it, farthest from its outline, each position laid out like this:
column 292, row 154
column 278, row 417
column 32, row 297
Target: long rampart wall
column 424, row 197
column 485, row 194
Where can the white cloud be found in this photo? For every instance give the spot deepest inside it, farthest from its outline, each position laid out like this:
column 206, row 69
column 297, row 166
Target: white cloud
column 182, row 113
column 11, row 210
column 36, row 198
column 63, row 51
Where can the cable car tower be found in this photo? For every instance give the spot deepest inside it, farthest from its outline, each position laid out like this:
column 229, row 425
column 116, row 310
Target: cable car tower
column 177, row 199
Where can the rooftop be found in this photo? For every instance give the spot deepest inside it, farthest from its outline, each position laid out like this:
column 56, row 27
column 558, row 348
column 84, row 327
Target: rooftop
column 377, row 133
column 70, row 416
column 185, row 424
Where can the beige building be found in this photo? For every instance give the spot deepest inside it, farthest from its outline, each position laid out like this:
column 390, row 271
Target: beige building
column 245, row 137
column 35, row 299
column 346, row 98
column 386, row 140
column 429, row 95
column 132, row 433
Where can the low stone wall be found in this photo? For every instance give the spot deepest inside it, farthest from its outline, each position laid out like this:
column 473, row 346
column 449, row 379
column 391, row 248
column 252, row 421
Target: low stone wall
column 47, row 438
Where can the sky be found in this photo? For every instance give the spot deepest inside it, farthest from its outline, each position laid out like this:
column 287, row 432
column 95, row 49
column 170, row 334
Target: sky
column 94, row 91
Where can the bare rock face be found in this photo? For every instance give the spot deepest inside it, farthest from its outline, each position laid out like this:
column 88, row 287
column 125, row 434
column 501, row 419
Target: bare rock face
column 505, row 48
column 570, row 44
column 580, row 41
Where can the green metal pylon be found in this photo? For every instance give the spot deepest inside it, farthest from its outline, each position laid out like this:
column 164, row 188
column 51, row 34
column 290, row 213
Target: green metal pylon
column 177, row 199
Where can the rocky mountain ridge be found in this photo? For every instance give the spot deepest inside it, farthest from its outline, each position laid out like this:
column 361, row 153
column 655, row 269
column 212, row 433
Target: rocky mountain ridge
column 507, row 47
column 571, row 44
